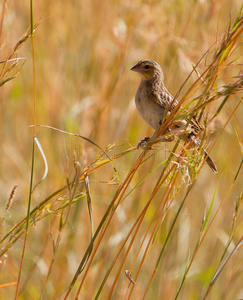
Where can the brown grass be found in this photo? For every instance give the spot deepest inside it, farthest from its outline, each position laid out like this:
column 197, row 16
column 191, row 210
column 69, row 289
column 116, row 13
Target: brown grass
column 160, row 213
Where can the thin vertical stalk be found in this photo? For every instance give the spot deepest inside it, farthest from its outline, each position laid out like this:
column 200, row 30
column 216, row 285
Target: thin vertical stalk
column 33, row 153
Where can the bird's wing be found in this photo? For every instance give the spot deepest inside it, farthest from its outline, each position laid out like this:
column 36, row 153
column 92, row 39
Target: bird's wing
column 166, row 100
column 169, row 100
column 195, row 125
column 163, row 97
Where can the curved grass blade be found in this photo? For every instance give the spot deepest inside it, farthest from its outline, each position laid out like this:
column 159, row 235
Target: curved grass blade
column 45, row 162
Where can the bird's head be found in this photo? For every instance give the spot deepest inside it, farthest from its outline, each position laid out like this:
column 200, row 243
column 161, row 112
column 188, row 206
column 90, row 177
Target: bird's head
column 149, row 70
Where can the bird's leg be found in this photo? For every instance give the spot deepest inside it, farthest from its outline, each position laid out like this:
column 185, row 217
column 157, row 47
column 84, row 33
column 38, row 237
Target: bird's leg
column 165, row 138
column 144, row 143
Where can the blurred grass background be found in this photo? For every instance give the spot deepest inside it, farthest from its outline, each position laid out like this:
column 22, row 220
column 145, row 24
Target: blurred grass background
column 83, row 53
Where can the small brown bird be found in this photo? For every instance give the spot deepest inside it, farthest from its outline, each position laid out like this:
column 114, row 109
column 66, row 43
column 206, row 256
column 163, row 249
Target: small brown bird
column 153, row 100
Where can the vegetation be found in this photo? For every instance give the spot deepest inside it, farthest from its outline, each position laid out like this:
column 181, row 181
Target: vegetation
column 108, row 220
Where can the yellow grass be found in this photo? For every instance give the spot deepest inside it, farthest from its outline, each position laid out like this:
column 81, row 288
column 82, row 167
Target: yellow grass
column 83, row 54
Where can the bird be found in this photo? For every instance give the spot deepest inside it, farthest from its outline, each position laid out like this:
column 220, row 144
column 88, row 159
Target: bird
column 154, row 102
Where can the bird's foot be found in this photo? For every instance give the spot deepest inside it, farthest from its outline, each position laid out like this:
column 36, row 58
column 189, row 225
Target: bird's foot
column 144, row 144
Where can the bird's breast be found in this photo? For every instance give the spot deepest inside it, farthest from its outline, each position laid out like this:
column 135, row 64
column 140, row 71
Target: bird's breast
column 148, row 109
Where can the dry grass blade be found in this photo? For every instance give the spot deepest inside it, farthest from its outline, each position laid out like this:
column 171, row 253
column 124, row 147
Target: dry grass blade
column 113, row 221
column 89, row 203
column 86, row 139
column 238, row 245
column 11, row 67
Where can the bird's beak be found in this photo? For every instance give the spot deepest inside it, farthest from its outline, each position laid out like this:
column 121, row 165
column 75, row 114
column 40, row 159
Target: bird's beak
column 137, row 68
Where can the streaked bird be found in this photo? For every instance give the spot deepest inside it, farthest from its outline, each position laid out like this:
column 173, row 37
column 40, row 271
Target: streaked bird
column 153, row 101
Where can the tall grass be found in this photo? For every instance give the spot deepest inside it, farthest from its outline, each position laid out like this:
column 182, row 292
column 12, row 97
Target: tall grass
column 111, row 221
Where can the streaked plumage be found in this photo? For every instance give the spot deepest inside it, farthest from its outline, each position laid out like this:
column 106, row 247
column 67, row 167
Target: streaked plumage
column 153, row 100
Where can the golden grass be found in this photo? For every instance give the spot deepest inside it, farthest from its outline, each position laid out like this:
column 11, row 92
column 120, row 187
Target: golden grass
column 173, row 224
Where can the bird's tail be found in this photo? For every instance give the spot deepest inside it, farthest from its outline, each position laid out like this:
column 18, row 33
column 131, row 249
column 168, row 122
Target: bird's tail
column 210, row 162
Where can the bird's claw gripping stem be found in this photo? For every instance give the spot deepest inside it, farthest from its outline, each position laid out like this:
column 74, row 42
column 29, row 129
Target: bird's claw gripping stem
column 144, row 144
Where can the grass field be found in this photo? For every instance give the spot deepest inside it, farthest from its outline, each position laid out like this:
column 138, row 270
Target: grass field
column 106, row 209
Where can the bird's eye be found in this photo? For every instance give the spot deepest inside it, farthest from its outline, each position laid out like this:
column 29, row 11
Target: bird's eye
column 146, row 67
